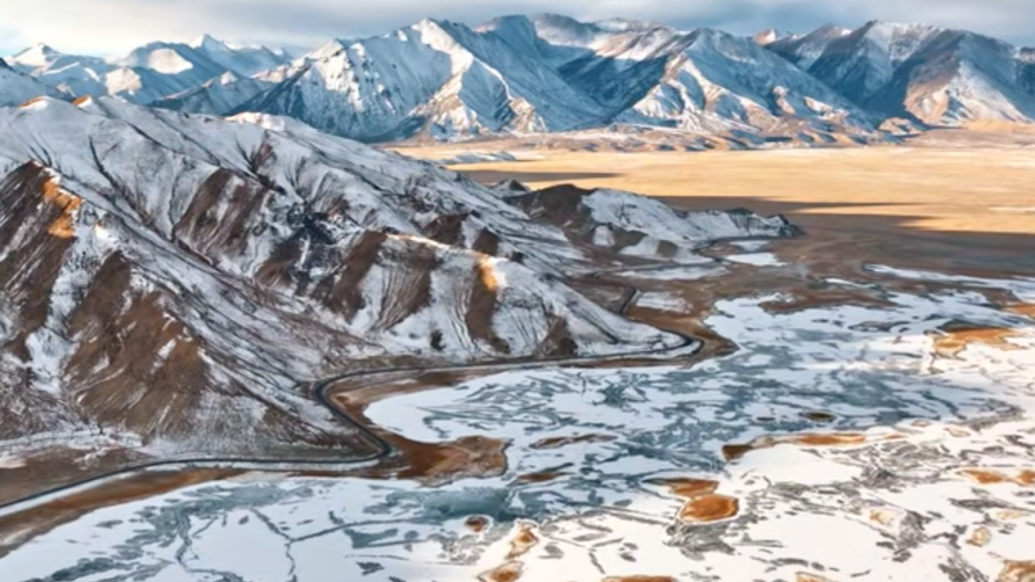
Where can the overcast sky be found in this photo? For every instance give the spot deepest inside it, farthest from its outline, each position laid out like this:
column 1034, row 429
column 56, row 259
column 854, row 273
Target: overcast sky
column 112, row 27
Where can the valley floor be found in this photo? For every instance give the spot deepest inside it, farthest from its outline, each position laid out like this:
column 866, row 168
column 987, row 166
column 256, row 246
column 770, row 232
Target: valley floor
column 866, row 411
column 940, row 201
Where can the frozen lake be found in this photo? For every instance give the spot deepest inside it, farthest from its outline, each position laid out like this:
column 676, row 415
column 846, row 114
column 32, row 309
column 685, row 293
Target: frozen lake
column 872, row 450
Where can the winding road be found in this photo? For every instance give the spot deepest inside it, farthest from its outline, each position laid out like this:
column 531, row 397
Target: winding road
column 321, row 388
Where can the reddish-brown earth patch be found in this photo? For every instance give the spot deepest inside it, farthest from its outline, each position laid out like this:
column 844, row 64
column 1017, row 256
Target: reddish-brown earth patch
column 476, row 523
column 732, row 452
column 951, row 339
column 817, row 416
column 524, row 540
column 639, row 578
column 702, row 504
column 539, row 477
column 688, row 488
column 508, row 572
column 709, row 508
column 809, row 577
column 511, row 569
column 1024, row 477
column 1026, row 309
column 435, row 463
column 1023, row 571
column 68, row 203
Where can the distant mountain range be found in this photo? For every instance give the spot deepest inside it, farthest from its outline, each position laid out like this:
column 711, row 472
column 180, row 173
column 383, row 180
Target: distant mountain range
column 549, row 73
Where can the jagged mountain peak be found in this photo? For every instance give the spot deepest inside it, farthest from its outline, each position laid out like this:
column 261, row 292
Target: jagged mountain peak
column 38, row 54
column 548, row 72
column 628, row 25
column 926, row 74
column 767, row 36
column 208, row 42
column 328, row 49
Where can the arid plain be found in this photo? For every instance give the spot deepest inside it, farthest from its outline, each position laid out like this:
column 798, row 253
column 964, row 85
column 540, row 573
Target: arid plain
column 917, row 204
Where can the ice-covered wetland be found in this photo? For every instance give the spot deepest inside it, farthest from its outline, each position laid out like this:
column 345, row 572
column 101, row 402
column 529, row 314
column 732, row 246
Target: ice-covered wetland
column 838, row 442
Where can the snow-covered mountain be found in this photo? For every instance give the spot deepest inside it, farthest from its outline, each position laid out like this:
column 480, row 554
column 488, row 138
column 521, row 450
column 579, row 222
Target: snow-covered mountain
column 148, row 73
column 934, row 75
column 242, row 60
column 540, row 73
column 702, row 80
column 435, row 76
column 17, row 87
column 546, row 73
column 190, row 270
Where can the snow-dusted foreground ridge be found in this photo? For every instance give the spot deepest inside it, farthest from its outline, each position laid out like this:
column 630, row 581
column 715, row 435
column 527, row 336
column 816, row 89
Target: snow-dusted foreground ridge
column 170, row 279
column 839, row 443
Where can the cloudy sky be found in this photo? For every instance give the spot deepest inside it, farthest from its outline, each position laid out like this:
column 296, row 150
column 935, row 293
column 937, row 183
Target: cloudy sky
column 111, row 27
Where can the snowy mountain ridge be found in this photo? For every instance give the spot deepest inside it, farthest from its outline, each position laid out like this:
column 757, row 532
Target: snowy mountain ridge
column 146, row 74
column 547, row 73
column 933, row 75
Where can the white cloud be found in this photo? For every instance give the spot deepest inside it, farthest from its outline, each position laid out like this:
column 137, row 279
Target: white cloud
column 114, row 26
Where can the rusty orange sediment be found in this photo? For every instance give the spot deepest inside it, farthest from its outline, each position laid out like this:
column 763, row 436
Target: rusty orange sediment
column 1017, row 571
column 732, row 452
column 506, row 572
column 1023, row 477
column 558, row 442
column 701, row 502
column 64, row 225
column 524, row 539
column 476, row 523
column 949, row 343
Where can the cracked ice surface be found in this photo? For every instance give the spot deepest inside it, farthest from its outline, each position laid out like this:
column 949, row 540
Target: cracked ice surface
column 932, row 485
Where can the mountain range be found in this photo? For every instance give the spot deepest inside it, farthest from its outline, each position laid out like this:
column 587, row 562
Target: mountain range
column 547, row 73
